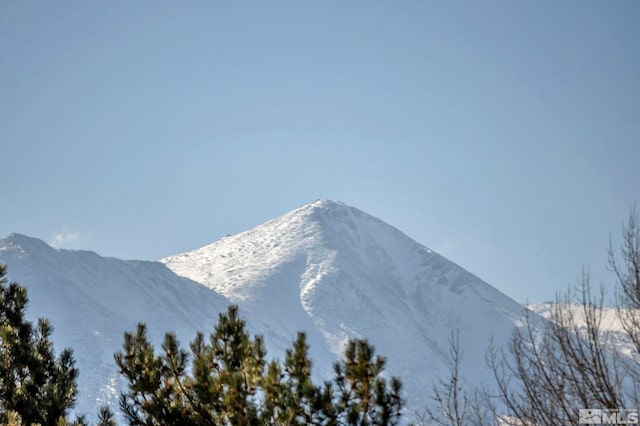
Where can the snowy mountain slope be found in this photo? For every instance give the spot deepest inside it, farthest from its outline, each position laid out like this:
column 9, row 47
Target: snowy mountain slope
column 611, row 329
column 325, row 268
column 92, row 300
column 337, row 273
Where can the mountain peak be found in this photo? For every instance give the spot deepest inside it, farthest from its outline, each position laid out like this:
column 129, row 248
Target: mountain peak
column 23, row 243
column 325, row 215
column 338, row 273
column 328, row 205
column 17, row 238
column 325, row 203
column 322, row 209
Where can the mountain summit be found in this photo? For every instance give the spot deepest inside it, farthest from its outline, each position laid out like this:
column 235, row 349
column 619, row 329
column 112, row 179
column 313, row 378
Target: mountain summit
column 339, row 273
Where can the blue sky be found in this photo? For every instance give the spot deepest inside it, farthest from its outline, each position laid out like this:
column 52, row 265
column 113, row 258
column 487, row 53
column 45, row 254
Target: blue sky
column 505, row 135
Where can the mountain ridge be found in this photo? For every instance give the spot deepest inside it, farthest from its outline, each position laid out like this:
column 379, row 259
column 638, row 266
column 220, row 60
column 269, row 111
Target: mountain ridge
column 325, row 268
column 92, row 300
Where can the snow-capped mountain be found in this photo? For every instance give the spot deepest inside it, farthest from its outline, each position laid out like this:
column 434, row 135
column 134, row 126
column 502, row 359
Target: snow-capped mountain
column 338, row 273
column 92, row 300
column 325, row 268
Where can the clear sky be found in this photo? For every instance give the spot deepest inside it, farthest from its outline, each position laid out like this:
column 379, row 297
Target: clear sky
column 505, row 135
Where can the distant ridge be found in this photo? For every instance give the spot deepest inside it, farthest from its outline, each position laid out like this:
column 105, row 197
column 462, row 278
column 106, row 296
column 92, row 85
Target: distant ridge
column 92, row 300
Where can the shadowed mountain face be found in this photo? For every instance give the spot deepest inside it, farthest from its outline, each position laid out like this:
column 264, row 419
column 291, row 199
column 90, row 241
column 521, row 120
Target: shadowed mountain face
column 92, row 300
column 325, row 268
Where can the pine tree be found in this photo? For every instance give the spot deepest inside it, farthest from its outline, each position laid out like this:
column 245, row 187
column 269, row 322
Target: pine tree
column 35, row 386
column 364, row 397
column 291, row 398
column 226, row 373
column 229, row 382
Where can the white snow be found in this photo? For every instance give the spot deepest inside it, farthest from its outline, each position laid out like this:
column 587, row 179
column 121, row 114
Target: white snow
column 92, row 300
column 339, row 273
column 325, row 268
